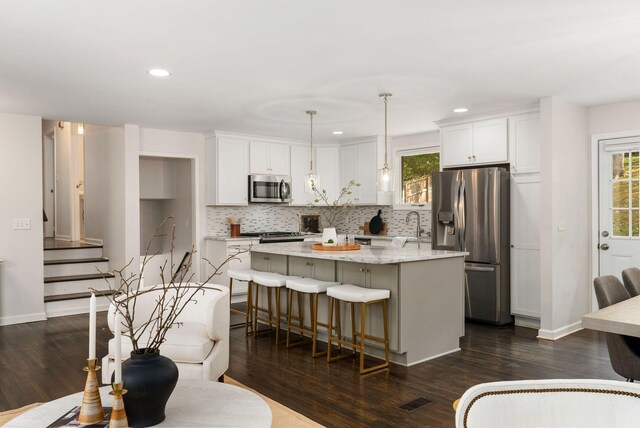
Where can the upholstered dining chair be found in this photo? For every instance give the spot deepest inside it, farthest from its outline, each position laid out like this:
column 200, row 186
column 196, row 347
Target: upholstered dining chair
column 631, row 279
column 624, row 351
column 199, row 345
column 550, row 403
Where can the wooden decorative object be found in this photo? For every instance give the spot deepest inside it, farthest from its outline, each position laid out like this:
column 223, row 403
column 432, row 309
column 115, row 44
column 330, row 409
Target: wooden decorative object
column 118, row 414
column 318, row 246
column 366, row 230
column 91, row 411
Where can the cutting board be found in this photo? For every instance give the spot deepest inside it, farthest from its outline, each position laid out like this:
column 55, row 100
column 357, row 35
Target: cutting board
column 383, row 231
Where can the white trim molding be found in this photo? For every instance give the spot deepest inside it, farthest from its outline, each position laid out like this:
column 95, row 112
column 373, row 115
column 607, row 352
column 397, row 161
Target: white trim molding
column 20, row 319
column 559, row 332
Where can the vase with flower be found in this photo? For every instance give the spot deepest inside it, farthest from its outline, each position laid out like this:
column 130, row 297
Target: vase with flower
column 333, row 209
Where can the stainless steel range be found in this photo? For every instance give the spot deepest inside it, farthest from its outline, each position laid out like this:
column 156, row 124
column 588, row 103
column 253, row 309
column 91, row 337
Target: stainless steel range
column 274, row 237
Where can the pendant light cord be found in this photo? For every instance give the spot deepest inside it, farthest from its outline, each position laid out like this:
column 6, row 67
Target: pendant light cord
column 385, row 97
column 311, row 113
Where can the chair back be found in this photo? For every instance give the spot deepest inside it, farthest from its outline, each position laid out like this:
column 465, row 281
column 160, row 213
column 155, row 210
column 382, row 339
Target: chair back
column 631, row 279
column 609, row 290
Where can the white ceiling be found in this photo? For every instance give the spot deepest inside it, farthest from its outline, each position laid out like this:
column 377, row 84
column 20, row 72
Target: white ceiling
column 256, row 65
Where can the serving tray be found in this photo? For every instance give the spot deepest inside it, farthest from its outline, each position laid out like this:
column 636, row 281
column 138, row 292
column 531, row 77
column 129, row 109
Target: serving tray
column 318, row 246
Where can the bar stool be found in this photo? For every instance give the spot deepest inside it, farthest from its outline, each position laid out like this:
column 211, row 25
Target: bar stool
column 272, row 281
column 365, row 296
column 314, row 288
column 243, row 275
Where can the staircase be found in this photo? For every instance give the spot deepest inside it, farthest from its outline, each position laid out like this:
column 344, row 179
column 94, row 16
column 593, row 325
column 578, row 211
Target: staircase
column 70, row 275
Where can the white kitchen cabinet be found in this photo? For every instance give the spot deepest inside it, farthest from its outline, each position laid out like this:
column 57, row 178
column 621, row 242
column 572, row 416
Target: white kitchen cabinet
column 299, row 171
column 524, row 143
column 227, row 170
column 476, row 143
column 327, row 166
column 157, row 179
column 269, row 158
column 358, row 163
column 525, row 245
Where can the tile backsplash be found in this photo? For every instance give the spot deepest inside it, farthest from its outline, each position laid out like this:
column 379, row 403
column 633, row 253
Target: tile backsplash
column 272, row 217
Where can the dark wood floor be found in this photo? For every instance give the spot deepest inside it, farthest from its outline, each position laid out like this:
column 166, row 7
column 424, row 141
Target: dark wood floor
column 43, row 360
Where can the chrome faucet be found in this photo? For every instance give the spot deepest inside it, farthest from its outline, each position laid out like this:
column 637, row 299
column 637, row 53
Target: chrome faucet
column 418, row 228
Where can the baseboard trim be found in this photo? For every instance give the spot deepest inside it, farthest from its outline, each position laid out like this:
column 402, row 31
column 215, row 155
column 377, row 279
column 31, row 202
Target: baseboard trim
column 94, row 241
column 527, row 322
column 21, row 319
column 434, row 357
column 559, row 332
column 63, row 237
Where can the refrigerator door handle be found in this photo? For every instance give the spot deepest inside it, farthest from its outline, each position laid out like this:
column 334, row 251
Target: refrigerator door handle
column 462, row 229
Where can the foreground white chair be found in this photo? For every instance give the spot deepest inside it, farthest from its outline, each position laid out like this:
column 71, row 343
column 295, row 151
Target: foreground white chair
column 199, row 346
column 550, row 403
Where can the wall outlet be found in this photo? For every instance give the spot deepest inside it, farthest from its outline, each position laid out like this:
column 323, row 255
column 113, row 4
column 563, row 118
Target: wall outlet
column 21, row 224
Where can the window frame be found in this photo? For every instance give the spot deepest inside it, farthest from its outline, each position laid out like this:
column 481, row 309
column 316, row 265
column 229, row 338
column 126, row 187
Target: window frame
column 398, row 205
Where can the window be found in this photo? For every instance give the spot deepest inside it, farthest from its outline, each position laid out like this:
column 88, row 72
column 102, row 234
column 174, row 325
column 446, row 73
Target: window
column 625, row 200
column 414, row 177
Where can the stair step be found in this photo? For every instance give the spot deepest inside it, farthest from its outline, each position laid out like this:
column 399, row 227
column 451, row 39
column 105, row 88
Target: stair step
column 74, row 296
column 73, row 305
column 85, row 277
column 70, row 261
column 61, row 285
column 74, row 267
column 72, row 253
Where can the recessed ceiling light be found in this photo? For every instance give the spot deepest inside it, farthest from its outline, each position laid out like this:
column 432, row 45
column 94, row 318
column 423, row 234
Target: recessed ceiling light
column 337, row 132
column 158, row 72
column 460, row 110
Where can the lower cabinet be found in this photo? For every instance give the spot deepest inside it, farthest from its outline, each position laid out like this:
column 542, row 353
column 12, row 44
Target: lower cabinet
column 378, row 277
column 269, row 262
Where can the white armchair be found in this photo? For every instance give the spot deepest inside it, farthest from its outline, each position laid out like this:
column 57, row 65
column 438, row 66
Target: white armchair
column 550, row 403
column 199, row 345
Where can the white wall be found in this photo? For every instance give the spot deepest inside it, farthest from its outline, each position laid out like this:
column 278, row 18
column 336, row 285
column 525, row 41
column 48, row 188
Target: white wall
column 614, row 117
column 63, row 181
column 565, row 217
column 416, row 141
column 22, row 273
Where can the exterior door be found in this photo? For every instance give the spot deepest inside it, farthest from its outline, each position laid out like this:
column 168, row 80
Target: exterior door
column 619, row 210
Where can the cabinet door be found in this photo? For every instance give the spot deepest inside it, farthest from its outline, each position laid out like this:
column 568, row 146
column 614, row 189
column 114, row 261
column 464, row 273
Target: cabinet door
column 324, row 270
column 367, row 172
column 299, row 170
column 269, row 262
column 490, row 141
column 351, row 273
column 456, row 145
column 279, row 159
column 525, row 245
column 384, row 277
column 328, row 168
column 349, row 169
column 259, row 157
column 299, row 266
column 232, row 171
column 524, row 143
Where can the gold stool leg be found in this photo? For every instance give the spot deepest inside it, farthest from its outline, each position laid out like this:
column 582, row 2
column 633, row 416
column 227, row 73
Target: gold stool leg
column 362, row 325
column 331, row 300
column 386, row 333
column 277, row 291
column 248, row 329
column 353, row 327
column 289, row 307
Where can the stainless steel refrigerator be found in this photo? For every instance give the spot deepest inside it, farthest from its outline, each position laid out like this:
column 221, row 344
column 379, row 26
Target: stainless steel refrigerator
column 470, row 212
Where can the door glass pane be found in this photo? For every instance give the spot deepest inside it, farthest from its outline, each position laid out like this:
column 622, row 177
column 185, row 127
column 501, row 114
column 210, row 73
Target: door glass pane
column 620, row 194
column 620, row 225
column 635, row 223
column 620, row 166
column 635, row 167
column 635, row 194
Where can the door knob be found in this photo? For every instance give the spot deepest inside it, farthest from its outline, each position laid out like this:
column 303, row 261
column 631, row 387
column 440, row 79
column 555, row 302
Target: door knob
column 604, row 247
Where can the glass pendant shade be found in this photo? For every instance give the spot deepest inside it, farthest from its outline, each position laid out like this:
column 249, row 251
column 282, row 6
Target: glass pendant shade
column 310, row 181
column 385, row 179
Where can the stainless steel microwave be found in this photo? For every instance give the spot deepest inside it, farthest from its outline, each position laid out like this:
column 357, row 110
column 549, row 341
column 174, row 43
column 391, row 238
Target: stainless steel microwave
column 269, row 188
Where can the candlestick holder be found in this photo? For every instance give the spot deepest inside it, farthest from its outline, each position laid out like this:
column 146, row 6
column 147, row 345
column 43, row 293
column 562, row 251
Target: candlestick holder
column 118, row 413
column 91, row 411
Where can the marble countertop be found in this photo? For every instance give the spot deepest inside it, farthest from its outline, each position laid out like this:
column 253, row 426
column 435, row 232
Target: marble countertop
column 366, row 254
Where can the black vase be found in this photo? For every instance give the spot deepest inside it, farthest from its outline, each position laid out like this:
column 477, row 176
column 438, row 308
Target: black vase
column 149, row 380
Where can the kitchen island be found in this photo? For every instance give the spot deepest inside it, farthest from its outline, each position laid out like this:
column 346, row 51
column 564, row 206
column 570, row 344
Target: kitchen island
column 426, row 308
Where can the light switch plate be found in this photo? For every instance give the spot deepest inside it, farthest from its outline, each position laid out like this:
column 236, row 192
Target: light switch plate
column 21, row 223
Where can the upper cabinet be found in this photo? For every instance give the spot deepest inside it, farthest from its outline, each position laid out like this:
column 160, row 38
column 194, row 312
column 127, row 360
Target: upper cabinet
column 269, row 158
column 299, row 171
column 327, row 166
column 358, row 163
column 227, row 166
column 481, row 142
column 524, row 143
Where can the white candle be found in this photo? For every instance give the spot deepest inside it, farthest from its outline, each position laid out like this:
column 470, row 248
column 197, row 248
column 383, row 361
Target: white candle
column 92, row 327
column 118, row 356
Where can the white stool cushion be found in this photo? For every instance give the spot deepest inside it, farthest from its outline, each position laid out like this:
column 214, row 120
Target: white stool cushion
column 245, row 274
column 355, row 294
column 310, row 285
column 270, row 279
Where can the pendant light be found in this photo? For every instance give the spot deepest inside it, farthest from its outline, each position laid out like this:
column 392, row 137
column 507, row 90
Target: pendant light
column 385, row 175
column 311, row 179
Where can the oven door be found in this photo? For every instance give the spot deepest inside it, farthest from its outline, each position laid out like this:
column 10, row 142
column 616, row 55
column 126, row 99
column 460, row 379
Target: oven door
column 268, row 188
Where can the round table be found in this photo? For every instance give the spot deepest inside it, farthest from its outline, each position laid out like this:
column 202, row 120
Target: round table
column 192, row 404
